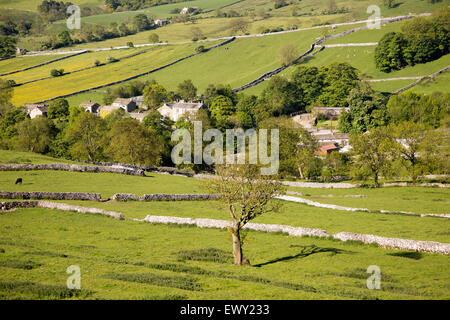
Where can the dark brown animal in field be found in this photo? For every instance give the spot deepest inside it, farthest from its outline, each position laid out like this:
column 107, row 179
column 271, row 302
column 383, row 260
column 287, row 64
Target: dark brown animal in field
column 19, row 181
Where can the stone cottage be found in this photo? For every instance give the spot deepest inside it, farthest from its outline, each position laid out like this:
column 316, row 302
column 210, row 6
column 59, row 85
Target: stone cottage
column 175, row 110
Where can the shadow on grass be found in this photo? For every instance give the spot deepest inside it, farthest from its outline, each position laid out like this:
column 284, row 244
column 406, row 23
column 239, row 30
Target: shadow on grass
column 305, row 252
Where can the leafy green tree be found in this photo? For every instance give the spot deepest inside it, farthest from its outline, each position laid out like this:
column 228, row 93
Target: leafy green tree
column 374, row 151
column 7, row 46
column 281, row 96
column 213, row 91
column 131, row 143
column 288, row 53
column 141, row 22
column 430, row 110
column 367, row 110
column 414, row 139
column 154, row 95
column 187, row 90
column 153, row 38
column 309, row 166
column 64, row 38
column 34, row 135
column 389, row 52
column 246, row 194
column 339, row 79
column 161, row 128
column 58, row 109
column 87, row 136
column 221, row 109
column 290, row 136
column 8, row 123
column 335, row 164
column 6, row 94
column 309, row 82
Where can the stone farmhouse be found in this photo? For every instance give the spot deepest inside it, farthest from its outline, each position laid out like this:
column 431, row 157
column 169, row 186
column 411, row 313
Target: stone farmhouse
column 129, row 105
column 90, row 106
column 36, row 109
column 330, row 113
column 175, row 110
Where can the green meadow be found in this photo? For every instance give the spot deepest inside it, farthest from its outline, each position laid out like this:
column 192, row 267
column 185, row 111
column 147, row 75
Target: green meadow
column 134, row 260
column 46, row 89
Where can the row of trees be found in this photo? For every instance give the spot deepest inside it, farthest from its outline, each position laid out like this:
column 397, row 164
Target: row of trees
column 97, row 32
column 421, row 40
column 125, row 5
column 369, row 109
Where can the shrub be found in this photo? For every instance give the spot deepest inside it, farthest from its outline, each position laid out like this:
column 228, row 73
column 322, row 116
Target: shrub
column 56, row 72
column 200, row 49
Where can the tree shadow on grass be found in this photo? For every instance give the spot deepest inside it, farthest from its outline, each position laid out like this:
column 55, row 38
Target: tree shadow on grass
column 305, row 252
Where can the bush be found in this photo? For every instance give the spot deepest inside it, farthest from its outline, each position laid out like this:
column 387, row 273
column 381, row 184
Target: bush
column 97, row 63
column 200, row 49
column 56, row 72
column 130, row 44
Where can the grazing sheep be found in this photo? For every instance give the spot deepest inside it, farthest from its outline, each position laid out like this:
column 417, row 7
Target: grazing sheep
column 19, row 180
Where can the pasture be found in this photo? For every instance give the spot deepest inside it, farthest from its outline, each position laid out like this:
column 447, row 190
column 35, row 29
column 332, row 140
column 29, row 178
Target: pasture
column 136, row 260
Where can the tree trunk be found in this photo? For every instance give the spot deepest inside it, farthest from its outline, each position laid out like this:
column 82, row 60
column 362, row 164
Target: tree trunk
column 375, row 178
column 300, row 171
column 237, row 248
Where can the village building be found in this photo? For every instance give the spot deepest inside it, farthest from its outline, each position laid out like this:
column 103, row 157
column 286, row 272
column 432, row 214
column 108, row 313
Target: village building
column 187, row 10
column 176, row 110
column 139, row 116
column 90, row 106
column 103, row 111
column 327, row 149
column 341, row 139
column 330, row 113
column 36, row 109
column 161, row 22
column 139, row 100
column 126, row 104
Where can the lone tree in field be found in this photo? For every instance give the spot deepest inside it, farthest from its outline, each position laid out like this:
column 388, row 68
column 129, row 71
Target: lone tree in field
column 288, row 54
column 374, row 152
column 247, row 194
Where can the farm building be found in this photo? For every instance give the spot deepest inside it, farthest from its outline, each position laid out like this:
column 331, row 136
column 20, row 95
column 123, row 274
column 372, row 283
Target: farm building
column 330, row 113
column 126, row 104
column 103, row 111
column 36, row 109
column 175, row 110
column 90, row 106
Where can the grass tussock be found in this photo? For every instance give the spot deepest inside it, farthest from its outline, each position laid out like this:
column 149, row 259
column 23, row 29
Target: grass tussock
column 407, row 254
column 42, row 291
column 19, row 264
column 207, row 254
column 185, row 283
column 46, row 253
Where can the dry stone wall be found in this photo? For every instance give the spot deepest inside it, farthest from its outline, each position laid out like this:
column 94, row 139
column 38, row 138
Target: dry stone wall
column 393, row 243
column 51, row 195
column 73, row 167
column 164, row 197
column 9, row 205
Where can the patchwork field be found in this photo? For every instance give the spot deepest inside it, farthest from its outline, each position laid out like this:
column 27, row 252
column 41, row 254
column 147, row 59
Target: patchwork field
column 71, row 64
column 101, row 75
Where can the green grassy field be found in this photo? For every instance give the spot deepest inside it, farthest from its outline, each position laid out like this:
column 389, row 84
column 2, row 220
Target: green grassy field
column 135, row 260
column 439, row 83
column 33, row 4
column 97, row 76
column 14, row 64
column 132, row 260
column 71, row 64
